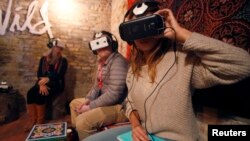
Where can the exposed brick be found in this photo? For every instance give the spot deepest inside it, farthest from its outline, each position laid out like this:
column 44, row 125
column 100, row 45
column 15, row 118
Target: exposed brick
column 20, row 51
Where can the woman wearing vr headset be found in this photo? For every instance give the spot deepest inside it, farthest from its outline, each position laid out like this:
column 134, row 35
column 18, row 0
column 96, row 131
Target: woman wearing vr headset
column 162, row 78
column 51, row 70
column 102, row 105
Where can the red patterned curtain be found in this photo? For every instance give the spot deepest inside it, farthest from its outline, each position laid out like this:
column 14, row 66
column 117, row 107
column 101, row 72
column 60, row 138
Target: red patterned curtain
column 226, row 20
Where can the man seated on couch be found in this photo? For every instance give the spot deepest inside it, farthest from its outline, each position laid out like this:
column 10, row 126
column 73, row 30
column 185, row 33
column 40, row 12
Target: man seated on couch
column 102, row 105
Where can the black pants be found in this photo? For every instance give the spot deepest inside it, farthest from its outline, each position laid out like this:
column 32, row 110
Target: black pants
column 34, row 97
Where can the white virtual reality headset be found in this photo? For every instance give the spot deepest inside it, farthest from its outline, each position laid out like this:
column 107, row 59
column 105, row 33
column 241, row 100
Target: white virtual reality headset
column 99, row 43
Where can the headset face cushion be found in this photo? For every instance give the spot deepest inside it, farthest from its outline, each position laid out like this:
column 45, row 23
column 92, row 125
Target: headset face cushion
column 111, row 40
column 99, row 43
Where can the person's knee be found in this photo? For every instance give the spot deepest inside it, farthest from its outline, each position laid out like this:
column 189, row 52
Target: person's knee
column 72, row 104
column 91, row 120
column 84, row 126
column 83, row 123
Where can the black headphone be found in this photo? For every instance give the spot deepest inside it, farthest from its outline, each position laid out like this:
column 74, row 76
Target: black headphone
column 52, row 42
column 112, row 40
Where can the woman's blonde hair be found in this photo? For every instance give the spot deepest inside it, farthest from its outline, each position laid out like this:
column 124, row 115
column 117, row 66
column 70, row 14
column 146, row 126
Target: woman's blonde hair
column 138, row 59
column 52, row 59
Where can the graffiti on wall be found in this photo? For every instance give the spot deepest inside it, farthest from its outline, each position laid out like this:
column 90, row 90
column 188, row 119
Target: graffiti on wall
column 15, row 24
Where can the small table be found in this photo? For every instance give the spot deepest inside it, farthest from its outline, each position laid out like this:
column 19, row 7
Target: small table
column 11, row 104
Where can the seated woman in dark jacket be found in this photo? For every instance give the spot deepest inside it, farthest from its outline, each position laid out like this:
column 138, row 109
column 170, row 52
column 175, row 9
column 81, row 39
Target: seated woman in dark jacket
column 50, row 83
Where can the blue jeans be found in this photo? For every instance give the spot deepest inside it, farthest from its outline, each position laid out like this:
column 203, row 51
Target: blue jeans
column 108, row 135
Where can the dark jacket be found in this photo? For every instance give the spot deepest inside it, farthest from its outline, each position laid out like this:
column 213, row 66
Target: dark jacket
column 55, row 73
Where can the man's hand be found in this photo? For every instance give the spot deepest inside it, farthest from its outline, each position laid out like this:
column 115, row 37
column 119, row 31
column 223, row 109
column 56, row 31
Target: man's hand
column 83, row 108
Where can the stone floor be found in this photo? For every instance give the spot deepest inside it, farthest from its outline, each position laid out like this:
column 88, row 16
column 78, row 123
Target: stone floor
column 14, row 131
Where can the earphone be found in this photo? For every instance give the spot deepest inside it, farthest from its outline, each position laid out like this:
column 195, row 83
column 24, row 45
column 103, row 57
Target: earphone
column 112, row 41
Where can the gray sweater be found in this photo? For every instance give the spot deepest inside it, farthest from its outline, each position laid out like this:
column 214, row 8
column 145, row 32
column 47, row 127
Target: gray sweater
column 202, row 62
column 114, row 88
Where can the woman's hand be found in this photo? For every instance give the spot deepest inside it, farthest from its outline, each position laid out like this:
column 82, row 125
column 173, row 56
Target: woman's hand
column 139, row 134
column 44, row 90
column 173, row 30
column 43, row 81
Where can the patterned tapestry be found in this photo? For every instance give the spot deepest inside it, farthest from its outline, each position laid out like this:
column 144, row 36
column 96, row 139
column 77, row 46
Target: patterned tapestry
column 228, row 21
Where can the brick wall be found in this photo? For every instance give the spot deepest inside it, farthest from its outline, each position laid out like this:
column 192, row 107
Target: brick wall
column 74, row 24
column 119, row 8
